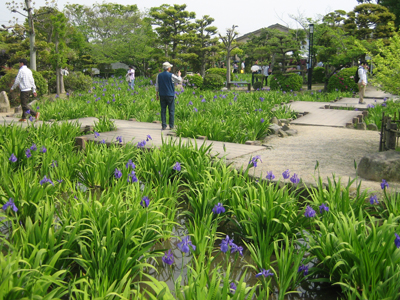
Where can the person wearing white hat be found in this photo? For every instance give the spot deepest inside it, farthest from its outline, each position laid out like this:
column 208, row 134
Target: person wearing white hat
column 165, row 92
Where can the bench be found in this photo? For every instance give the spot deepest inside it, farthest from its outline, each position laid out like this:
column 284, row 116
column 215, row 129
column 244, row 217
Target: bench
column 239, row 82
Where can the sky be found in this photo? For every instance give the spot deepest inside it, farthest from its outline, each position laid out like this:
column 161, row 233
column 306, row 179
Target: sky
column 248, row 15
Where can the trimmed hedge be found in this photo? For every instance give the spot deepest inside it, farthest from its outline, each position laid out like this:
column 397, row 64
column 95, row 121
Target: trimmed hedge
column 77, row 81
column 287, row 82
column 318, row 75
column 195, row 80
column 120, row 72
column 220, row 71
column 343, row 81
column 213, row 82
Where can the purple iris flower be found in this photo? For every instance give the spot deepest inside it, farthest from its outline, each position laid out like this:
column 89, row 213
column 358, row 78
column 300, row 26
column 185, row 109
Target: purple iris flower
column 236, row 248
column 168, row 258
column 309, row 213
column 145, row 201
column 254, row 160
column 396, row 241
column 323, row 208
column 148, row 138
column 286, row 174
column 46, row 180
column 177, row 167
column 13, row 158
column 11, row 203
column 119, row 139
column 141, row 144
column 96, row 134
column 270, row 175
column 195, row 109
column 130, row 164
column 33, row 147
column 384, row 184
column 373, row 199
column 28, row 153
column 28, row 111
column 117, row 174
column 295, row 179
column 43, row 149
column 132, row 177
column 303, row 269
column 232, row 287
column 184, row 245
column 265, row 273
column 225, row 243
column 218, row 209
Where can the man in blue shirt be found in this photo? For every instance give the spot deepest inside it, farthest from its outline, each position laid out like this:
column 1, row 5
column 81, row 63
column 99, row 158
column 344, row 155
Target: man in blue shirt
column 165, row 92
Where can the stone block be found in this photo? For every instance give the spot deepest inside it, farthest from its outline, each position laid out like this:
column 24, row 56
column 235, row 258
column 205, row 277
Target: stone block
column 157, row 122
column 285, row 127
column 80, row 142
column 349, row 125
column 372, row 126
column 274, row 120
column 4, row 103
column 18, row 109
column 132, row 119
column 291, row 132
column 355, row 120
column 274, row 128
column 362, row 126
column 202, row 137
column 250, row 143
column 282, row 133
column 381, row 165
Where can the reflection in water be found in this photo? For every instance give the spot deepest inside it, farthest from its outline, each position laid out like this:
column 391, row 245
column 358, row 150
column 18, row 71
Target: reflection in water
column 169, row 274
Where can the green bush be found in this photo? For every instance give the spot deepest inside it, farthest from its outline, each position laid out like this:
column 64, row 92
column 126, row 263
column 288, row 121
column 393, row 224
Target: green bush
column 213, row 82
column 7, row 81
column 195, row 79
column 77, row 81
column 318, row 75
column 286, row 82
column 120, row 72
column 258, row 85
column 220, row 71
column 343, row 81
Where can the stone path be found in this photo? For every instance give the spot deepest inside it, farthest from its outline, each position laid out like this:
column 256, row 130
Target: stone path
column 333, row 147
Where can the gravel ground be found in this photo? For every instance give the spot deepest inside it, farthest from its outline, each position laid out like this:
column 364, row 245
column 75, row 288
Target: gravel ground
column 334, row 148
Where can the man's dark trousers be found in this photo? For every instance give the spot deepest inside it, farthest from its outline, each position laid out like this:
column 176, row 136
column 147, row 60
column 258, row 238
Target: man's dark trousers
column 24, row 96
column 170, row 102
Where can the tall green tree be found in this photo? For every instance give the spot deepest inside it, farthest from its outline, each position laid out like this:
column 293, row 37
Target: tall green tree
column 172, row 23
column 205, row 42
column 113, row 32
column 229, row 45
column 392, row 5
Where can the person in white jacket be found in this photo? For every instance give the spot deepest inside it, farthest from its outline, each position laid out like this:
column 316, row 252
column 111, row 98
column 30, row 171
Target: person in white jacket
column 27, row 86
column 362, row 83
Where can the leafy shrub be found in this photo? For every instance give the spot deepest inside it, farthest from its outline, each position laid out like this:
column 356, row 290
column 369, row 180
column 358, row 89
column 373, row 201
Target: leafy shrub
column 213, row 82
column 7, row 81
column 120, row 72
column 195, row 79
column 318, row 75
column 40, row 82
column 343, row 80
column 154, row 77
column 257, row 85
column 220, row 71
column 77, row 81
column 287, row 82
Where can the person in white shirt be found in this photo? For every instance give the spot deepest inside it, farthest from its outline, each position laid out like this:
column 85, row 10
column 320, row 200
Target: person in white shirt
column 131, row 77
column 254, row 70
column 243, row 66
column 64, row 72
column 27, row 86
column 362, row 83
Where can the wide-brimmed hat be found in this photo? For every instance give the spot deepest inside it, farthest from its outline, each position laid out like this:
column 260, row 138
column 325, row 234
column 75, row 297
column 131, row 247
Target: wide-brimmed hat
column 167, row 65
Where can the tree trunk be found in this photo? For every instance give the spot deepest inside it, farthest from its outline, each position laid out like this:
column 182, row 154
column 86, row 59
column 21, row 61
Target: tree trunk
column 62, row 88
column 32, row 48
column 58, row 71
column 228, row 67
